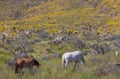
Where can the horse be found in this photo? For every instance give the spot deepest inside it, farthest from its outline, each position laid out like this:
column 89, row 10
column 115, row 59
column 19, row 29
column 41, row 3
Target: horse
column 25, row 63
column 75, row 56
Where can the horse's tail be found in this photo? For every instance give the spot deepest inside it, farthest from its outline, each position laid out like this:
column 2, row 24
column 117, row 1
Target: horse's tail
column 63, row 63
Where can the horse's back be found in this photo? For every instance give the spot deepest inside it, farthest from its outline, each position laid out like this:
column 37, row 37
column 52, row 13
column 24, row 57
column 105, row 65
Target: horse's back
column 72, row 55
column 19, row 61
column 28, row 59
column 77, row 55
column 22, row 60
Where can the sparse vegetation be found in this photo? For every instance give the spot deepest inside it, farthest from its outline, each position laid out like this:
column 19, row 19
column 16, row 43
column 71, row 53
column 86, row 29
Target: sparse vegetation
column 45, row 29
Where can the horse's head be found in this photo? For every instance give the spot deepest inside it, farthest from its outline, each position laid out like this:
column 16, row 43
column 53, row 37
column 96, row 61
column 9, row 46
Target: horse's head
column 36, row 63
column 82, row 59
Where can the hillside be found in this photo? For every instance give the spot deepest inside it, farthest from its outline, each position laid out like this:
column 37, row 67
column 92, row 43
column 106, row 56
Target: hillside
column 46, row 29
column 56, row 14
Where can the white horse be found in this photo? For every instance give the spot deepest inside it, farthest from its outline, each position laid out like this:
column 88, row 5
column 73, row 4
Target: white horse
column 75, row 56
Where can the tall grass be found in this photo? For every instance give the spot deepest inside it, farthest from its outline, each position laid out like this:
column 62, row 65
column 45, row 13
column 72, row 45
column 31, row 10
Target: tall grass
column 51, row 69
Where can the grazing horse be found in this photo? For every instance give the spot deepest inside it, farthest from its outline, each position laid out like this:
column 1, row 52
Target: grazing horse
column 75, row 56
column 25, row 63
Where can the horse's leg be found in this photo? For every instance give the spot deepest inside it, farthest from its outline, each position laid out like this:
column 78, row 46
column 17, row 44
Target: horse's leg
column 75, row 65
column 78, row 63
column 20, row 70
column 66, row 64
column 16, row 69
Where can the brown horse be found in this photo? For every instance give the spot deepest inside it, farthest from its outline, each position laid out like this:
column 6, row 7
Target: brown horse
column 25, row 63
